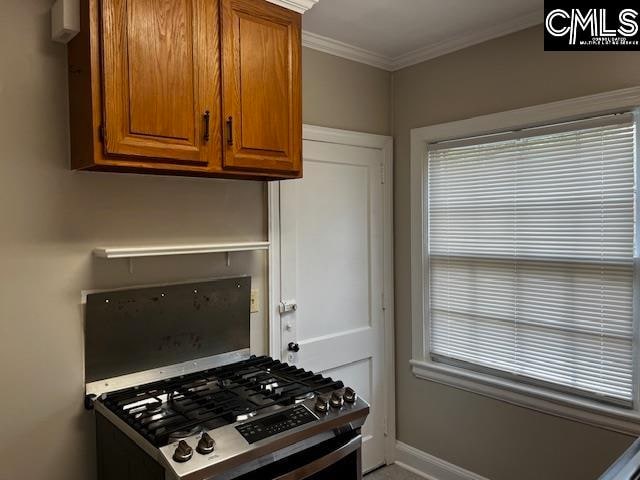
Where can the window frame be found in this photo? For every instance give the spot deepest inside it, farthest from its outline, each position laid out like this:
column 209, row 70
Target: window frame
column 527, row 395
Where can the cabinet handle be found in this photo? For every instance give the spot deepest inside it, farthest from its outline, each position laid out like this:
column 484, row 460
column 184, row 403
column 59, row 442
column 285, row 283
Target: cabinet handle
column 206, row 126
column 230, row 130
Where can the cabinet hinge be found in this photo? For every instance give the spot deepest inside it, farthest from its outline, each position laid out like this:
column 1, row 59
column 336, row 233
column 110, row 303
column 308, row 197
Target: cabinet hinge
column 382, row 173
column 102, row 135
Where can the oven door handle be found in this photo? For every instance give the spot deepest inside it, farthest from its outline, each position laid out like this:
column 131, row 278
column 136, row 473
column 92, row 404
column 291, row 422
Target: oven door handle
column 321, row 463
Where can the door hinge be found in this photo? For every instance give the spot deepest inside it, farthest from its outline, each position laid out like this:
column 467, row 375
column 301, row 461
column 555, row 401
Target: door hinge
column 382, row 173
column 102, row 135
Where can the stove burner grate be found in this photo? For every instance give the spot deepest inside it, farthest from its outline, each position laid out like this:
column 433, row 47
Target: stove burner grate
column 166, row 411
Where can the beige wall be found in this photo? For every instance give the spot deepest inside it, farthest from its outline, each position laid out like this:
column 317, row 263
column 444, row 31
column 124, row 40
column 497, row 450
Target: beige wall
column 52, row 218
column 339, row 93
column 489, row 437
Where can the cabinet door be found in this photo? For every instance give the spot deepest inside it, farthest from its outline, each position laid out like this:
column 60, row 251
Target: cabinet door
column 161, row 80
column 261, row 87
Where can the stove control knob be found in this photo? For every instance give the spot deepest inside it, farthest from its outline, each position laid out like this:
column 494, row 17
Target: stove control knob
column 336, row 400
column 350, row 395
column 183, row 452
column 322, row 406
column 206, row 444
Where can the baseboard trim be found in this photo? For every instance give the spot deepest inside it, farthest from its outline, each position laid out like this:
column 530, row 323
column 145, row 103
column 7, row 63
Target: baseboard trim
column 430, row 467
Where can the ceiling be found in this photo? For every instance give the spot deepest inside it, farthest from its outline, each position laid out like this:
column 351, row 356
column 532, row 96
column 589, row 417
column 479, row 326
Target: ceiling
column 392, row 34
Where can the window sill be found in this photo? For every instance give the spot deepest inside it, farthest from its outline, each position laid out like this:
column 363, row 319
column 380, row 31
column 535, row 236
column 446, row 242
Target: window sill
column 535, row 398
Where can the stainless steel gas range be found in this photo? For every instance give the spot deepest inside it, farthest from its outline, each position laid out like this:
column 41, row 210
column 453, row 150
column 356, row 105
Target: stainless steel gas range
column 177, row 395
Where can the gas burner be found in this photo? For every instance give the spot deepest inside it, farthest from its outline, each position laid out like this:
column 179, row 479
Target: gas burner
column 225, row 383
column 154, row 406
column 270, row 386
column 245, row 416
column 177, row 436
column 304, row 397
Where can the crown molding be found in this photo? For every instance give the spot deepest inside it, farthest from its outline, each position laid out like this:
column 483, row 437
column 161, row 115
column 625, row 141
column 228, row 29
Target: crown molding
column 299, row 6
column 345, row 50
column 466, row 40
column 357, row 54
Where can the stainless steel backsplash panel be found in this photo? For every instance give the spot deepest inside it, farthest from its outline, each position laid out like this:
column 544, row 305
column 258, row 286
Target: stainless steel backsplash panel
column 139, row 329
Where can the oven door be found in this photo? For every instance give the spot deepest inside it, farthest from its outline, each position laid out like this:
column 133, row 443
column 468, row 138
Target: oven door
column 340, row 457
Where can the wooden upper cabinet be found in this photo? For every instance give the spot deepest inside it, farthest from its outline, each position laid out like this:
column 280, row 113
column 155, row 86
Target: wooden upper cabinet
column 160, row 76
column 261, row 76
column 187, row 87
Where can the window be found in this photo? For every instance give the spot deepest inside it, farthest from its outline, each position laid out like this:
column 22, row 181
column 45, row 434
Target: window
column 530, row 244
column 524, row 252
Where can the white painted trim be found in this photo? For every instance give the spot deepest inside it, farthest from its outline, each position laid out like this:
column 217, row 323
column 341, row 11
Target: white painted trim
column 389, row 301
column 155, row 251
column 346, row 137
column 430, row 467
column 358, row 139
column 299, row 6
column 536, row 398
column 275, row 322
column 345, row 50
column 428, row 52
column 563, row 110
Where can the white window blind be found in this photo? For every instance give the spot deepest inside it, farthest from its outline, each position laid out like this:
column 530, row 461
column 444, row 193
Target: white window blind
column 531, row 254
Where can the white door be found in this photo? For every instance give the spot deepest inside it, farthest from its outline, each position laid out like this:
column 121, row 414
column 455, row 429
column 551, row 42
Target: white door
column 331, row 237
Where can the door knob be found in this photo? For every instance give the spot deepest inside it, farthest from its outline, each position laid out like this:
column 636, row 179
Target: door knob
column 293, row 347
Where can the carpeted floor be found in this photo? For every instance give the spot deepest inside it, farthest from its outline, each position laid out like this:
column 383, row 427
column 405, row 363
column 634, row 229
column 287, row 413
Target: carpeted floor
column 392, row 472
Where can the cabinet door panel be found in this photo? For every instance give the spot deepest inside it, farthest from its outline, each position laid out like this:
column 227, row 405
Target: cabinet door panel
column 160, row 73
column 261, row 87
column 168, row 68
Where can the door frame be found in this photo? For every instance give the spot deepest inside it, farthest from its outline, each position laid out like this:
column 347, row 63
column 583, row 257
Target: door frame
column 356, row 139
